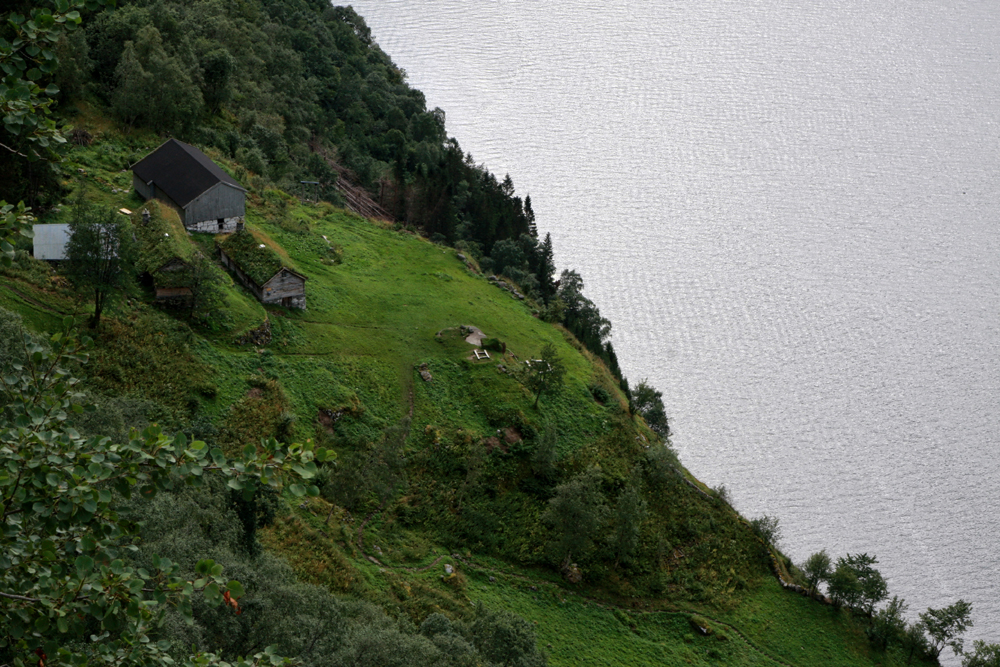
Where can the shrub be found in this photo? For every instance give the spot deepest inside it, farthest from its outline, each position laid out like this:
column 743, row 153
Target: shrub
column 767, row 529
column 600, row 394
column 577, row 515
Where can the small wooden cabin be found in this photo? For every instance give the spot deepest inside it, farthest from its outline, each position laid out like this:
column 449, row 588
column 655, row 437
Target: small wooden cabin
column 206, row 197
column 261, row 270
column 165, row 252
column 171, row 281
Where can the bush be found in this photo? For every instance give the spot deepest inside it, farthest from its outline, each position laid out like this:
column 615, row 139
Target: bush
column 767, row 529
column 577, row 515
column 494, row 344
column 600, row 394
column 817, row 568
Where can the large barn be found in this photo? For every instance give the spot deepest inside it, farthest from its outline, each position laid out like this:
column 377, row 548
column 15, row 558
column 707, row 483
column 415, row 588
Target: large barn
column 206, row 197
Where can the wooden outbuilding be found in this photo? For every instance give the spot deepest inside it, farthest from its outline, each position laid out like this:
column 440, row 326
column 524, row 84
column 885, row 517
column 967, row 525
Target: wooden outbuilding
column 206, row 197
column 262, row 271
column 50, row 241
column 165, row 252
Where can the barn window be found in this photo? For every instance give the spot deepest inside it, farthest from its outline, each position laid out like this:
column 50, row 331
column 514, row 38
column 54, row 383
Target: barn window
column 222, row 223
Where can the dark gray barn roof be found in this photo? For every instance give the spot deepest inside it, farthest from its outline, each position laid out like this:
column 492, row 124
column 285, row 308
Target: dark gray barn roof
column 181, row 171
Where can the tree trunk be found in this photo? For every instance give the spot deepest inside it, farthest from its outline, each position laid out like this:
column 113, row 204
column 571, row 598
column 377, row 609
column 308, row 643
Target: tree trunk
column 95, row 321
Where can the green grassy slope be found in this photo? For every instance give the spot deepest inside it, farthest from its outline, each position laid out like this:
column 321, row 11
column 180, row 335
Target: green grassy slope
column 382, row 305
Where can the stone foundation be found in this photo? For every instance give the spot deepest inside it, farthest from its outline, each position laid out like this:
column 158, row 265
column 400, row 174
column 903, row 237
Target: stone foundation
column 213, row 227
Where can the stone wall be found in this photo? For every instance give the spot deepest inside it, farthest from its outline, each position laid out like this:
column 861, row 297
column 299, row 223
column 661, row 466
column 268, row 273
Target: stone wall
column 212, row 226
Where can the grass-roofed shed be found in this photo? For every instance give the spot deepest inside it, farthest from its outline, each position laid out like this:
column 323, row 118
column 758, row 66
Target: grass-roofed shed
column 255, row 260
column 165, row 251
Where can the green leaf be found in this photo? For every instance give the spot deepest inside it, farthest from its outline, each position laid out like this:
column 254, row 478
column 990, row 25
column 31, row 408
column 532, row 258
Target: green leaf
column 204, row 566
column 212, row 595
column 297, row 490
column 184, row 607
column 218, row 457
column 312, row 490
column 235, row 589
column 84, row 564
column 42, row 624
column 62, row 624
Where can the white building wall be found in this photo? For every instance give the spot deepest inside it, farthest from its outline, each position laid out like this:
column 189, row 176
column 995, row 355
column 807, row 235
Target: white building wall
column 50, row 241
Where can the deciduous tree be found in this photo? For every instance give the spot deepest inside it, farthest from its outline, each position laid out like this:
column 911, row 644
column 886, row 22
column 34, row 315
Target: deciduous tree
column 914, row 641
column 983, row 655
column 627, row 517
column 857, row 584
column 817, row 569
column 64, row 575
column 648, row 402
column 888, row 625
column 767, row 528
column 545, row 374
column 101, row 255
column 946, row 625
column 577, row 515
column 154, row 89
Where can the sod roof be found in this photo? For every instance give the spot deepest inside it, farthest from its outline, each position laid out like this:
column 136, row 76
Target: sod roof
column 162, row 241
column 253, row 253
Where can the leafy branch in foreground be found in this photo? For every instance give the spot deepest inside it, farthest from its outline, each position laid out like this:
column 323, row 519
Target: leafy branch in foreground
column 63, row 575
column 14, row 221
column 24, row 61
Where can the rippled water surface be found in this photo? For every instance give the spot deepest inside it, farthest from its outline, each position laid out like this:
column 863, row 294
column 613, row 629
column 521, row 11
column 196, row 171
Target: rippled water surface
column 789, row 212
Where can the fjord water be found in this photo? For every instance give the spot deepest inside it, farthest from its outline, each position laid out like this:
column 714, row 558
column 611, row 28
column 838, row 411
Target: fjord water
column 789, row 210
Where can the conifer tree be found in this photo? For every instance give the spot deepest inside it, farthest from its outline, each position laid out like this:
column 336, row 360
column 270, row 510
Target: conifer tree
column 546, row 269
column 529, row 214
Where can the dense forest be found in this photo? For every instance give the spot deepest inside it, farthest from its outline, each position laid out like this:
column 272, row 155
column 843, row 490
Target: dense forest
column 298, row 90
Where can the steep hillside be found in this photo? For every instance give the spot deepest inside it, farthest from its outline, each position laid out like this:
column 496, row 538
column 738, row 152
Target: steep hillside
column 450, row 486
